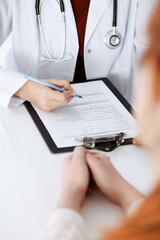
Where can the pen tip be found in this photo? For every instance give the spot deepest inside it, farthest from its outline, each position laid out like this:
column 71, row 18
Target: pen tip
column 76, row 95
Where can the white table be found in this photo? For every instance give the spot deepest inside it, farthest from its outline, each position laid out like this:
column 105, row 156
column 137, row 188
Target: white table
column 30, row 181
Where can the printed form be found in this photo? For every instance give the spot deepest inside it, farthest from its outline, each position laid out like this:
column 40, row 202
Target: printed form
column 99, row 113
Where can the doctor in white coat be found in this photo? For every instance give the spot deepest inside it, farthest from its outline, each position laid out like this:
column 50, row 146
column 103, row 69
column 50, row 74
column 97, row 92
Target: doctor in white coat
column 46, row 45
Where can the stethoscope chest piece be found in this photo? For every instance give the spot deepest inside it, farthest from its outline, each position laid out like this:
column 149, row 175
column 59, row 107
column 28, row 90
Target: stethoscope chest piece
column 112, row 39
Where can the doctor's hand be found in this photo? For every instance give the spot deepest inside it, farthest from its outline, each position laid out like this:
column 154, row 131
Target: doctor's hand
column 75, row 180
column 44, row 97
column 110, row 182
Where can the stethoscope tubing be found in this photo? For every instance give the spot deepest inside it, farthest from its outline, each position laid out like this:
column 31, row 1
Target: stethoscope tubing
column 112, row 39
column 115, row 7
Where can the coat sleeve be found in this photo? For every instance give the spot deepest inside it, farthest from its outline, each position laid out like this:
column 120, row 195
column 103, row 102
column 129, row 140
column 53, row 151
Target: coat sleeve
column 5, row 19
column 65, row 224
column 10, row 81
column 144, row 10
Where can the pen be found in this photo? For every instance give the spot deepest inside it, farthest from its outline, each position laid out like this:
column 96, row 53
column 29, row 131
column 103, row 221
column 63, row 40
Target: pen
column 48, row 84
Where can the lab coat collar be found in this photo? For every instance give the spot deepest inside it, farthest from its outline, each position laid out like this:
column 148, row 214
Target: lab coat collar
column 96, row 11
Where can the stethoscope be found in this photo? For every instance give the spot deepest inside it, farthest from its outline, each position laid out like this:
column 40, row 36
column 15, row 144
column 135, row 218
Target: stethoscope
column 112, row 39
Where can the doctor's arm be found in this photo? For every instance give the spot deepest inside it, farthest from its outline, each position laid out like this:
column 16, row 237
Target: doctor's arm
column 144, row 10
column 14, row 88
column 5, row 19
column 10, row 81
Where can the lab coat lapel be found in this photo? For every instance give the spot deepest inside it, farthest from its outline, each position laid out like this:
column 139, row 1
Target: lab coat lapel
column 96, row 11
column 70, row 20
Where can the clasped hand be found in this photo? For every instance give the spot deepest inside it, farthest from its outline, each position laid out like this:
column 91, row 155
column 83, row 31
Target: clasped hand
column 76, row 172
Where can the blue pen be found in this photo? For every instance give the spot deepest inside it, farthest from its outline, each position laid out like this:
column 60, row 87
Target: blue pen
column 48, row 84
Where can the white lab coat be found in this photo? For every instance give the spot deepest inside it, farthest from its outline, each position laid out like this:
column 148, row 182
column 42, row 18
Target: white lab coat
column 19, row 17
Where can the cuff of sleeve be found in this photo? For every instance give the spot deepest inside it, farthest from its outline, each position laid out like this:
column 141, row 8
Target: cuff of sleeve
column 65, row 224
column 135, row 206
column 15, row 102
column 68, row 214
column 10, row 83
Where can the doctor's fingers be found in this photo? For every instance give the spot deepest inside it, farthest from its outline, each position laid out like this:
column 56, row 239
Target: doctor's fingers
column 48, row 103
column 53, row 104
column 59, row 96
column 60, row 83
column 61, row 99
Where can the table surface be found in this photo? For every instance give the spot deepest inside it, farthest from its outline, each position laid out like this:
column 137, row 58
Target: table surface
column 30, row 181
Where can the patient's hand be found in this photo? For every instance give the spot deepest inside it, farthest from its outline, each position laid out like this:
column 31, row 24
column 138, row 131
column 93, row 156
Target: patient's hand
column 75, row 180
column 136, row 141
column 110, row 182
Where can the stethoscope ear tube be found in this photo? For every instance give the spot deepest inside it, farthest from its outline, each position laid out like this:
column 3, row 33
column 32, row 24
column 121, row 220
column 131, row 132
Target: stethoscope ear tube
column 62, row 6
column 114, row 24
column 37, row 7
column 62, row 57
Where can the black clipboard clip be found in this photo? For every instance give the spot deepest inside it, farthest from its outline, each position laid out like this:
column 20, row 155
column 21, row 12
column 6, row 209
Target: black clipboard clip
column 106, row 144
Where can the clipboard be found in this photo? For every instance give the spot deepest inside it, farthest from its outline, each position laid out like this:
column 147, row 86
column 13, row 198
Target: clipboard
column 46, row 135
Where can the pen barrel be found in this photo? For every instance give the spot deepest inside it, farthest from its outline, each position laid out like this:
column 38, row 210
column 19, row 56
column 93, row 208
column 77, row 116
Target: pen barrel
column 44, row 83
column 54, row 87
